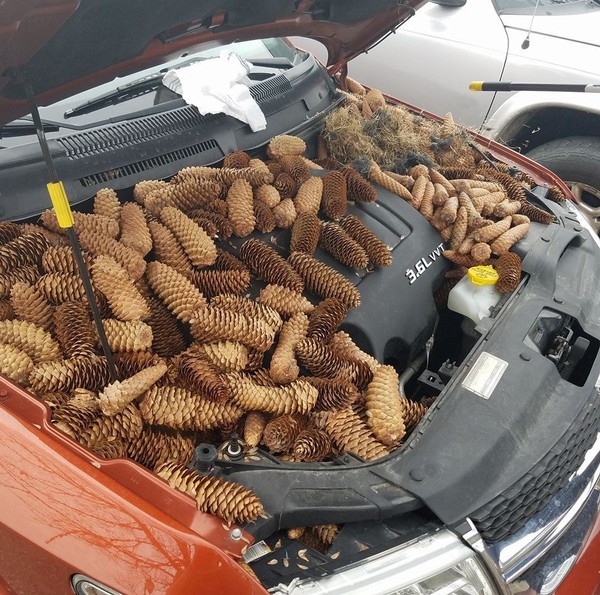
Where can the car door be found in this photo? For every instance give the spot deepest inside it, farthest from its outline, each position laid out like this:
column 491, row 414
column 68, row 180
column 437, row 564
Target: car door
column 430, row 61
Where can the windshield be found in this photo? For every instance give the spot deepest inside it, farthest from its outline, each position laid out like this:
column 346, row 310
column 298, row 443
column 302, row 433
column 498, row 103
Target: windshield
column 529, row 6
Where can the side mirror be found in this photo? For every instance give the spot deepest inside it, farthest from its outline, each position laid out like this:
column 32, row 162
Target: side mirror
column 450, row 3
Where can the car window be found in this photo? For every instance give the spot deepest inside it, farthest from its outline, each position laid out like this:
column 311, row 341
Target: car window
column 528, row 6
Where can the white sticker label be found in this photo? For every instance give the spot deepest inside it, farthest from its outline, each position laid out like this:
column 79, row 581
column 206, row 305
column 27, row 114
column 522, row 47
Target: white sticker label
column 485, row 375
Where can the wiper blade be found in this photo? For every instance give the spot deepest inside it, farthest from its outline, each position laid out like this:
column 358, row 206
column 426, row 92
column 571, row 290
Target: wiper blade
column 23, row 127
column 122, row 93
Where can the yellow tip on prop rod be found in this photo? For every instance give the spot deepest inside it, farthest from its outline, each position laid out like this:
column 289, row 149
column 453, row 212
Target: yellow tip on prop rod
column 561, row 87
column 61, row 205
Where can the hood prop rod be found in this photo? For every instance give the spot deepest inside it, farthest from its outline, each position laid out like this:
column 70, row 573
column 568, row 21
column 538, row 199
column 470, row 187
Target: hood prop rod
column 62, row 209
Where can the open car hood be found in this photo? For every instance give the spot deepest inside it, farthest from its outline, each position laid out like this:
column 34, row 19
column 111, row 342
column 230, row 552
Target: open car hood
column 66, row 46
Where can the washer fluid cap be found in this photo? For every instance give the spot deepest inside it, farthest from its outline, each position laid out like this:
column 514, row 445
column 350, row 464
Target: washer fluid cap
column 483, row 275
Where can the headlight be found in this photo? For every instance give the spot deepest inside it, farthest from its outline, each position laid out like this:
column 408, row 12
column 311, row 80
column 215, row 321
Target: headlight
column 435, row 565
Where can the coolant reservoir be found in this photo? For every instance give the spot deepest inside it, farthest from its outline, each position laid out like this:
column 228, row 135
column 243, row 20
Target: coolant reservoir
column 475, row 293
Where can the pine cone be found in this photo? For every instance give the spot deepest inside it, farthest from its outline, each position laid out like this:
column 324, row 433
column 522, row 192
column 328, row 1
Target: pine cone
column 352, row 435
column 167, row 338
column 305, row 233
column 154, row 447
column 214, row 324
column 325, row 533
column 323, row 280
column 284, row 301
column 311, row 445
column 254, row 426
column 333, row 394
column 225, row 499
column 240, row 206
column 325, row 319
column 264, row 262
column 281, row 433
column 142, row 189
column 481, row 252
column 376, row 176
column 15, row 364
column 90, row 373
column 503, row 243
column 168, row 250
column 284, row 213
column 253, row 175
column 228, row 262
column 203, row 377
column 200, row 248
column 283, row 368
column 22, row 251
column 265, row 219
column 74, row 329
column 413, row 412
column 60, row 259
column 29, row 304
column 117, row 395
column 27, row 274
column 335, row 200
column 106, row 204
column 8, row 232
column 182, row 409
column 228, row 356
column 61, row 287
column 297, row 397
column 384, row 406
column 131, row 335
column 342, row 247
column 248, row 308
column 343, row 345
column 358, row 189
column 186, row 193
column 212, row 283
column 285, row 144
column 220, row 221
column 129, row 364
column 134, row 230
column 294, row 166
column 33, row 340
column 177, row 292
column 509, row 272
column 268, row 195
column 378, row 252
column 6, row 311
column 536, row 214
column 237, row 160
column 556, row 194
column 462, row 260
column 106, row 226
column 125, row 426
column 309, row 196
column 128, row 258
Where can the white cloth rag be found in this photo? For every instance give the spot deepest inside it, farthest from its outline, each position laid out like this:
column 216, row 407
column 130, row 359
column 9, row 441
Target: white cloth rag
column 212, row 86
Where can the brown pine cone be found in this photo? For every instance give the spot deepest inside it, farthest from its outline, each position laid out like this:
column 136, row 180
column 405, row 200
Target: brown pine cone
column 556, row 194
column 285, row 144
column 134, row 229
column 376, row 176
column 283, row 367
column 258, row 164
column 325, row 533
column 74, row 329
column 509, row 272
column 109, row 449
column 37, row 343
column 253, row 175
column 323, row 280
column 22, row 251
column 536, row 214
column 6, row 311
column 9, row 231
column 15, row 363
column 248, row 308
column 186, row 193
column 167, row 337
column 491, row 232
column 175, row 290
column 333, row 394
column 413, row 412
column 105, row 226
column 377, row 251
column 503, row 243
column 117, row 395
column 344, row 346
column 228, row 262
column 60, row 259
column 213, row 283
column 128, row 258
column 237, row 160
column 203, row 377
column 227, row 356
column 358, row 189
column 268, row 195
column 265, row 219
column 157, row 446
column 294, row 166
column 254, row 426
column 297, row 397
column 129, row 364
column 335, row 200
column 142, row 189
column 199, row 247
column 55, row 400
column 61, row 287
column 284, row 213
column 342, row 247
column 76, row 415
column 168, row 250
column 90, row 373
column 106, row 203
column 325, row 319
column 284, row 301
column 352, row 435
column 507, row 208
column 305, row 233
column 311, row 445
column 125, row 301
column 264, row 262
column 384, row 408
column 125, row 426
column 281, row 433
column 182, row 409
column 27, row 274
column 220, row 221
column 240, row 207
column 462, row 260
column 29, row 304
column 225, row 499
column 214, row 324
column 309, row 196
column 131, row 335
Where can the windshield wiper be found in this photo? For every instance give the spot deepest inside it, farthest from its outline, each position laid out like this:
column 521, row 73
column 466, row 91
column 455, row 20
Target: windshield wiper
column 122, row 93
column 24, row 127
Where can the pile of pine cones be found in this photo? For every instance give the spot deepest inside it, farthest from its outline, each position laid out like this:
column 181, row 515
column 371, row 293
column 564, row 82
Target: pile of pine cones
column 197, row 360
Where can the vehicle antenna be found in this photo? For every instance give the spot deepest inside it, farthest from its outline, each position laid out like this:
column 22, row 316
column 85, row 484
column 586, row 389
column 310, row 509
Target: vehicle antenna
column 525, row 43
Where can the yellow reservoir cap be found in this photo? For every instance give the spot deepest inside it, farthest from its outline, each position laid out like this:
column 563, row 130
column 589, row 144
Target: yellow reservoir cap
column 483, row 275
